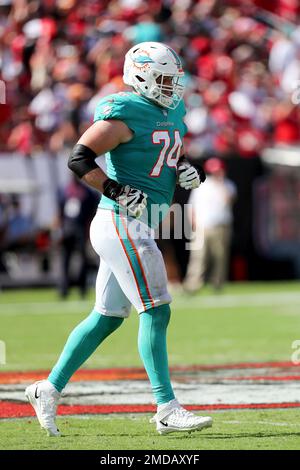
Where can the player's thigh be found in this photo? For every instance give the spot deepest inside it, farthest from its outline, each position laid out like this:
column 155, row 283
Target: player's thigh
column 145, row 261
column 134, row 258
column 111, row 249
column 110, row 298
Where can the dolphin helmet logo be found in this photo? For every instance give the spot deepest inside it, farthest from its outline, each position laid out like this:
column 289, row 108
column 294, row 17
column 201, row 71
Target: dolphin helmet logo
column 142, row 61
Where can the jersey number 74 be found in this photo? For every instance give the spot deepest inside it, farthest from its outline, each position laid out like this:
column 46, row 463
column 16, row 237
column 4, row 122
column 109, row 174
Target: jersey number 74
column 170, row 156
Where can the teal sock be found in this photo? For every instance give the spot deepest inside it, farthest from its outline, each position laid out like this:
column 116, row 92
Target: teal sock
column 152, row 346
column 82, row 342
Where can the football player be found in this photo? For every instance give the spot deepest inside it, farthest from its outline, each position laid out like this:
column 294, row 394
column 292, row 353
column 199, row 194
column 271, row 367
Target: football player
column 141, row 132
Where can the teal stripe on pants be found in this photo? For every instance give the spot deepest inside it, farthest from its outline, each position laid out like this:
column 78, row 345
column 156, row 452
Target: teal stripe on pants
column 131, row 251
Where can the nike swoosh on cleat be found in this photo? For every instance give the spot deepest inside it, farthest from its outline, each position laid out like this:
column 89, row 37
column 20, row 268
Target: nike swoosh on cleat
column 164, row 424
column 35, row 393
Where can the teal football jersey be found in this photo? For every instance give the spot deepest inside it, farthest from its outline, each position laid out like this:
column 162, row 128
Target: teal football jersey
column 148, row 162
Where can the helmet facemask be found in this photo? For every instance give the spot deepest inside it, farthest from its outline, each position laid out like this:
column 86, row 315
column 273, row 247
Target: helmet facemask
column 167, row 89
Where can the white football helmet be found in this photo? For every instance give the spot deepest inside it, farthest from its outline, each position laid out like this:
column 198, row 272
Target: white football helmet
column 154, row 70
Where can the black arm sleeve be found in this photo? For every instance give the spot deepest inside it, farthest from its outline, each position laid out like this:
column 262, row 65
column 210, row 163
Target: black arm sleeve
column 82, row 160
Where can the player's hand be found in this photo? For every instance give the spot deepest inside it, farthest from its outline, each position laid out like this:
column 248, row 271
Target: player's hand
column 188, row 176
column 133, row 200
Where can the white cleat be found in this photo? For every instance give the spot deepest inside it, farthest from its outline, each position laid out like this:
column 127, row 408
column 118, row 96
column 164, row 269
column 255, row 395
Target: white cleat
column 44, row 397
column 175, row 418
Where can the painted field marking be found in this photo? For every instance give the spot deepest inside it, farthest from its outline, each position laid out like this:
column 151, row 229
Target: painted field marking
column 199, row 388
column 208, row 302
column 265, row 423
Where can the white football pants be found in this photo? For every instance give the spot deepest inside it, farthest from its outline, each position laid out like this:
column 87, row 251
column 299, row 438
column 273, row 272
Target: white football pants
column 132, row 269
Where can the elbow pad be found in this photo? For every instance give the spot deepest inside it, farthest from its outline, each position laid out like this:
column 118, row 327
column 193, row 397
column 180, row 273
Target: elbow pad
column 82, row 160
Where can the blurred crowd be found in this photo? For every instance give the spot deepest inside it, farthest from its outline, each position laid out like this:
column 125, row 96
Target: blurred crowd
column 242, row 62
column 59, row 57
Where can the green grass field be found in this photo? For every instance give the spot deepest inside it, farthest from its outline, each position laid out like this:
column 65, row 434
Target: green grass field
column 231, row 431
column 246, row 323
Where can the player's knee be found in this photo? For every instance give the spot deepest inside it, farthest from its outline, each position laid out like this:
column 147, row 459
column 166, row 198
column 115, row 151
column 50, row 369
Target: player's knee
column 160, row 316
column 164, row 313
column 118, row 312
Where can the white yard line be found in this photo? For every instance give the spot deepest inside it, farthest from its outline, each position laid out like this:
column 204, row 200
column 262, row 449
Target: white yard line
column 265, row 423
column 38, row 308
column 238, row 300
column 222, row 301
column 127, row 392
